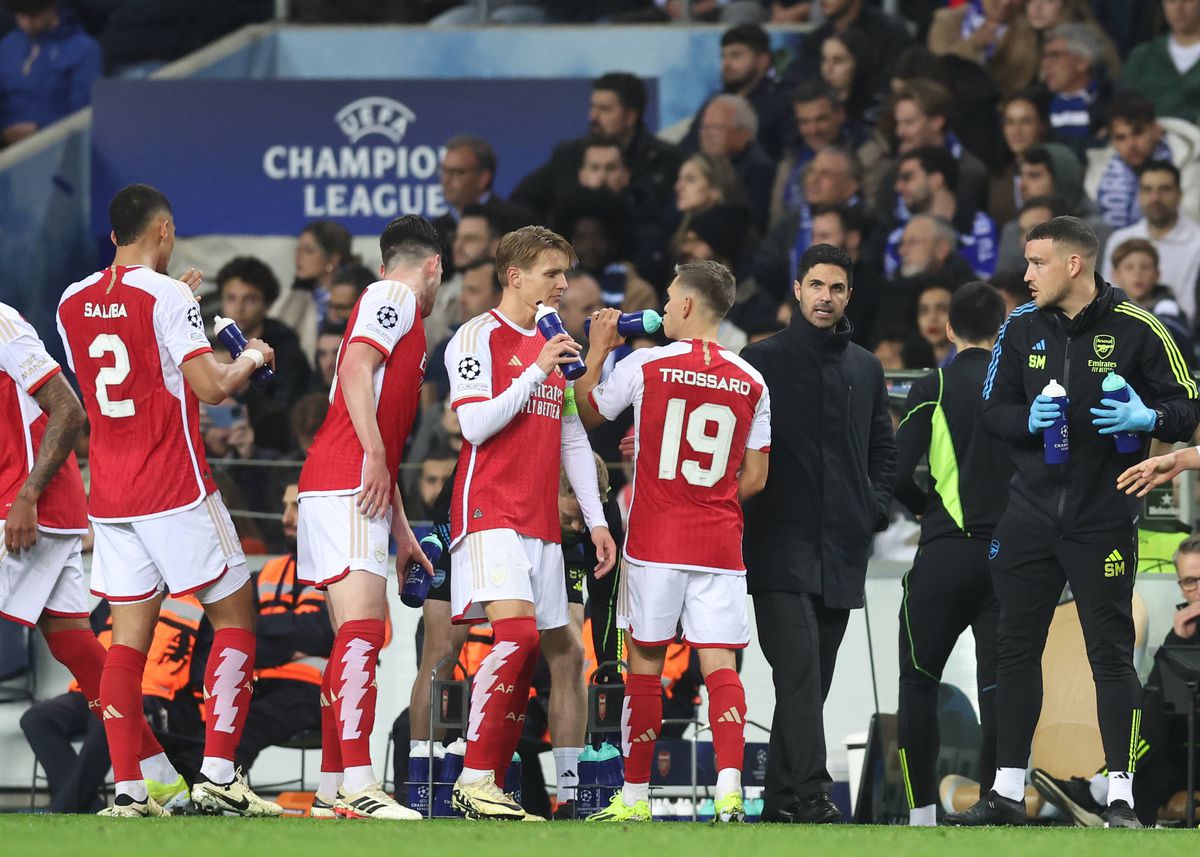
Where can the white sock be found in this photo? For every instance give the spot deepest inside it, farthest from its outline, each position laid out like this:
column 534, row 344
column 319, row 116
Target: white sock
column 159, row 769
column 729, row 780
column 566, row 766
column 923, row 816
column 328, row 785
column 1010, row 783
column 1120, row 787
column 136, row 789
column 218, row 771
column 631, row 793
column 358, row 777
column 473, row 775
column 1099, row 788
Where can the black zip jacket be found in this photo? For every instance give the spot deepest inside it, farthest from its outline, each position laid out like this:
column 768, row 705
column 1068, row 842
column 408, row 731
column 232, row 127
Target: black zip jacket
column 1111, row 334
column 969, row 470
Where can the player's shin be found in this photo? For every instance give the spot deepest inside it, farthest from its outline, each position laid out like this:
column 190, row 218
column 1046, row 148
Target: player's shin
column 641, row 724
column 331, row 746
column 727, row 716
column 80, row 652
column 500, row 698
column 121, row 713
column 353, row 660
column 228, row 680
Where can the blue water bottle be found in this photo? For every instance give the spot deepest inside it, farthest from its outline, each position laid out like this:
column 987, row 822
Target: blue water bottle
column 512, row 778
column 1054, row 438
column 231, row 336
column 1115, row 387
column 417, row 580
column 586, row 802
column 550, row 324
column 610, row 773
column 451, row 767
column 632, row 323
column 420, row 758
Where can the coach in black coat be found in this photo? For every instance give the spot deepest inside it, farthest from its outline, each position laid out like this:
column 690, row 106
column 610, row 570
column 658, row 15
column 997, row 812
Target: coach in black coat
column 808, row 534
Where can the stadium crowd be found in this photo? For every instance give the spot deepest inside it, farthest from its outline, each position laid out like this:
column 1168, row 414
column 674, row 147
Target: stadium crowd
column 925, row 147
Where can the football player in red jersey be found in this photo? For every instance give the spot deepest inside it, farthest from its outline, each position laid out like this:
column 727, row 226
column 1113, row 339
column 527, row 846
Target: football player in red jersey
column 135, row 339
column 519, row 424
column 350, row 506
column 702, row 434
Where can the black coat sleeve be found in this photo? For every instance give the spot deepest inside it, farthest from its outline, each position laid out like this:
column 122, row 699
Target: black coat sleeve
column 1005, row 405
column 881, row 461
column 281, row 635
column 912, row 442
column 1167, row 384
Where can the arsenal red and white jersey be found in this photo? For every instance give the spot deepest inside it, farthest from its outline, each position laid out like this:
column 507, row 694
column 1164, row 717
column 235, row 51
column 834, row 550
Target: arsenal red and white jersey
column 696, row 408
column 24, row 368
column 510, row 481
column 127, row 331
column 387, row 318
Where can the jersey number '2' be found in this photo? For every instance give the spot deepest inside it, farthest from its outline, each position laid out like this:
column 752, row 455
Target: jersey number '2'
column 111, row 376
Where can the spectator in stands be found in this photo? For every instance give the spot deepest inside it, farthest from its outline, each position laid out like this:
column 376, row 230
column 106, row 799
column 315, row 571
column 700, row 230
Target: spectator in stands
column 704, row 181
column 306, row 417
column 728, row 129
column 887, row 34
column 247, row 287
column 1037, row 209
column 322, row 250
column 47, row 67
column 170, row 684
column 842, row 226
column 617, row 108
column 897, row 347
column 929, row 247
column 846, row 62
column 329, row 340
column 347, row 285
column 992, row 33
column 1135, row 269
column 1014, row 290
column 478, row 292
column 294, row 639
column 1072, row 71
column 1136, row 136
column 1167, row 70
column 1045, row 15
column 579, row 301
column 933, row 310
column 821, row 121
column 1175, row 236
column 597, row 223
column 1051, row 169
column 1023, row 123
column 746, row 71
column 926, row 183
column 920, row 110
column 423, row 491
column 603, row 165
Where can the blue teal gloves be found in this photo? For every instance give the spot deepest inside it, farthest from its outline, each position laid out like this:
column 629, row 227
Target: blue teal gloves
column 1115, row 416
column 1042, row 413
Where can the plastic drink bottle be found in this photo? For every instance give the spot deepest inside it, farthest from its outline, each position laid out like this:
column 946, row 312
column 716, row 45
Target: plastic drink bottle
column 610, row 773
column 512, row 778
column 231, row 336
column 586, row 794
column 633, row 323
column 451, row 767
column 1115, row 387
column 549, row 322
column 417, row 580
column 420, row 758
column 1054, row 438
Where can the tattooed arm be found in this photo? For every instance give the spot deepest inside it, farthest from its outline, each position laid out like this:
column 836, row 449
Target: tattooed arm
column 65, row 419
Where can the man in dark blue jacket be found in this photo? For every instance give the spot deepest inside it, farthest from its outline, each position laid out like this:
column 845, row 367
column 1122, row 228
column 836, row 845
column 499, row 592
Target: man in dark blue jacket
column 1068, row 523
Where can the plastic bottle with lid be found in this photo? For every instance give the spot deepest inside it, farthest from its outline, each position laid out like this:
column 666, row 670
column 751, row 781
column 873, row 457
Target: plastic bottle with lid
column 1055, row 438
column 1115, row 387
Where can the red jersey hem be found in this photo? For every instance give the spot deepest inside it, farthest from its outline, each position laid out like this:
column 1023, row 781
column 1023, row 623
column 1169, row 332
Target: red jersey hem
column 194, row 589
column 195, row 353
column 37, row 385
column 369, row 341
column 16, row 619
column 715, row 645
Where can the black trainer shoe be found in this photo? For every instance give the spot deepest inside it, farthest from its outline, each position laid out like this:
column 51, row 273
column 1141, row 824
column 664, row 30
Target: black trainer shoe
column 1121, row 814
column 1073, row 797
column 565, row 811
column 818, row 809
column 991, row 809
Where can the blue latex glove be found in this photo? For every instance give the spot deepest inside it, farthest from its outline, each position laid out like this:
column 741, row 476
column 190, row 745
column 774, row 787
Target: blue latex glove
column 1113, row 416
column 1042, row 413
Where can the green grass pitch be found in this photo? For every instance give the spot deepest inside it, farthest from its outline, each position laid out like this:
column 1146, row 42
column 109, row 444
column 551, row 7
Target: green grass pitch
column 83, row 836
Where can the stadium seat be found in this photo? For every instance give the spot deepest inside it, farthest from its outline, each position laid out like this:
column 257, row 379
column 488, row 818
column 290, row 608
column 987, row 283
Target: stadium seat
column 18, row 678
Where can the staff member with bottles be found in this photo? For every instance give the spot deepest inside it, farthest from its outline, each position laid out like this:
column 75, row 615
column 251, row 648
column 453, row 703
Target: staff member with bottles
column 1066, row 521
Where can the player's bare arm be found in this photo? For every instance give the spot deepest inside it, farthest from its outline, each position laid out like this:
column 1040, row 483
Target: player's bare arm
column 356, row 379
column 408, row 549
column 65, row 418
column 1146, row 475
column 214, row 382
column 753, row 477
column 603, row 339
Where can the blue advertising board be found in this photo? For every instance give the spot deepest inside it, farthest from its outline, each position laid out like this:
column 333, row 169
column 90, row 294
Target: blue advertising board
column 267, row 157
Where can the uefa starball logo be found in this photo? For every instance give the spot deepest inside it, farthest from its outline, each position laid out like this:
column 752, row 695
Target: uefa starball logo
column 374, row 114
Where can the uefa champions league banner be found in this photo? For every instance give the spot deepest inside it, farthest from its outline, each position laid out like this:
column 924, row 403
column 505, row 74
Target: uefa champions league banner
column 267, row 157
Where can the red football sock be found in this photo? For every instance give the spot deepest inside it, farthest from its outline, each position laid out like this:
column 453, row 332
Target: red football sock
column 353, row 660
column 228, row 682
column 331, row 747
column 727, row 717
column 641, row 724
column 121, row 704
column 80, row 652
column 500, row 695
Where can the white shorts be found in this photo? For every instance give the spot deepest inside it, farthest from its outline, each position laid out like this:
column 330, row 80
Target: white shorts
column 652, row 601
column 45, row 578
column 195, row 551
column 333, row 538
column 503, row 565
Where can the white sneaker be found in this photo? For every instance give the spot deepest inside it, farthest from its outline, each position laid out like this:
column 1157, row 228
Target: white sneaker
column 484, row 799
column 232, row 798
column 372, row 802
column 322, row 808
column 127, row 807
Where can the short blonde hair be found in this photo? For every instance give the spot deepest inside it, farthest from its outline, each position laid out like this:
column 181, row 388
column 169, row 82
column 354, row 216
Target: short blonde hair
column 522, row 247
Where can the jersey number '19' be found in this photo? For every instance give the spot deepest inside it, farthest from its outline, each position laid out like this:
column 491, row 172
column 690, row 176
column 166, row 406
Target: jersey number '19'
column 110, row 376
column 717, row 445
